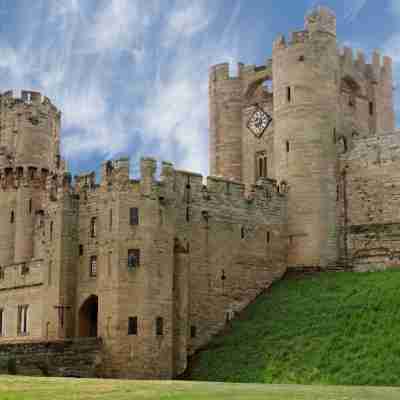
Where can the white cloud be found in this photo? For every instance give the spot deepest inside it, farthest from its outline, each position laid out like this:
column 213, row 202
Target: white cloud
column 187, row 21
column 112, row 76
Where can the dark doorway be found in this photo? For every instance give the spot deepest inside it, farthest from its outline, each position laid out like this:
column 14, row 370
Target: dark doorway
column 88, row 317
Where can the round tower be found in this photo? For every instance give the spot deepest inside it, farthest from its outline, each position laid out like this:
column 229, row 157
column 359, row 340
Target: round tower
column 225, row 113
column 305, row 74
column 29, row 153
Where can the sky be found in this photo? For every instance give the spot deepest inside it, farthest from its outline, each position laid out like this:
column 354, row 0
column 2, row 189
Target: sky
column 131, row 76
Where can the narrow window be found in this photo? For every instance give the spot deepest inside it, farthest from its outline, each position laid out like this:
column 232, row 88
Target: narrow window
column 334, row 135
column 265, row 167
column 22, row 321
column 132, row 326
column 93, row 227
column 93, row 266
column 110, row 219
column 2, row 274
column 134, row 216
column 193, row 332
column 58, row 161
column 25, row 320
column 81, row 249
column 1, row 322
column 109, row 263
column 337, row 193
column 51, row 230
column 24, row 269
column 289, row 94
column 287, row 146
column 242, row 233
column 187, row 214
column 133, row 258
column 371, row 108
column 268, row 237
column 12, row 217
column 49, row 273
column 159, row 326
column 30, row 206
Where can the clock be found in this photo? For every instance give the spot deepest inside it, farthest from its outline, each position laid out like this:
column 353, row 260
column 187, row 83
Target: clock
column 259, row 122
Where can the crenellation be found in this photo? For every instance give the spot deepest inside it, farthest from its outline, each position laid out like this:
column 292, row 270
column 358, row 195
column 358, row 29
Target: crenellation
column 303, row 154
column 299, row 37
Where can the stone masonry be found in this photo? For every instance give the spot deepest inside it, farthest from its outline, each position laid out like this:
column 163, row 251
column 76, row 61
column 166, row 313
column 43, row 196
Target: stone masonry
column 303, row 159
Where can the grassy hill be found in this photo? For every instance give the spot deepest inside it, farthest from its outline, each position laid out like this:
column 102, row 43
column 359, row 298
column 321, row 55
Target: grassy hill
column 21, row 388
column 333, row 328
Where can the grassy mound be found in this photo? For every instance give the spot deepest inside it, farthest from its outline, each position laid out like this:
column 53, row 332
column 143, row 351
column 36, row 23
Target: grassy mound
column 22, row 388
column 333, row 328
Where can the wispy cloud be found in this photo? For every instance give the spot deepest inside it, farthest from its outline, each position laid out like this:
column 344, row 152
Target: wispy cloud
column 353, row 8
column 131, row 77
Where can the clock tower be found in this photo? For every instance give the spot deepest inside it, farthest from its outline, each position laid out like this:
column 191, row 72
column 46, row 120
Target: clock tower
column 279, row 121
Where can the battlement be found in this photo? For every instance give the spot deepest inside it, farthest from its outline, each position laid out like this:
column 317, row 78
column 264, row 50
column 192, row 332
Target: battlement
column 172, row 183
column 321, row 19
column 30, row 98
column 380, row 68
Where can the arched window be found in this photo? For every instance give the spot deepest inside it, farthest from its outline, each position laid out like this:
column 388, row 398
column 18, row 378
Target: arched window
column 51, row 229
column 159, row 326
column 12, row 217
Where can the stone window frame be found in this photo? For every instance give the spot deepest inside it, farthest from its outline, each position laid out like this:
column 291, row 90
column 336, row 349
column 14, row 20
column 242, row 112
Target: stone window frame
column 133, row 216
column 22, row 320
column 2, row 330
column 261, row 162
column 193, row 331
column 133, row 326
column 133, row 259
column 93, row 266
column 93, row 227
column 289, row 94
column 159, row 326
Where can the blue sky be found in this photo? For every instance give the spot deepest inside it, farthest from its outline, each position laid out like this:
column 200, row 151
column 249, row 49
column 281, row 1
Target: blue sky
column 131, row 76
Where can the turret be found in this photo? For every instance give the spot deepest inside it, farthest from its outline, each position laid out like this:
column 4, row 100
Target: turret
column 225, row 113
column 305, row 114
column 29, row 153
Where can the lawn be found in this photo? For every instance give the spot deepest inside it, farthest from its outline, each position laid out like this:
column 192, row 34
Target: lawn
column 331, row 329
column 24, row 388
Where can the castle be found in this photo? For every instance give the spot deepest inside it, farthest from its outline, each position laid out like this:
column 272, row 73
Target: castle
column 304, row 162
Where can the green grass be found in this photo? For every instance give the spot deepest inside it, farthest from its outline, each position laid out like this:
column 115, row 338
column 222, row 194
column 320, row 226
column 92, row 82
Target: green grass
column 334, row 328
column 22, row 388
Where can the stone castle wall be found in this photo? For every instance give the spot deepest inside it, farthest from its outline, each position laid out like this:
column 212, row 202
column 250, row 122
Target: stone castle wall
column 369, row 196
column 188, row 275
column 69, row 358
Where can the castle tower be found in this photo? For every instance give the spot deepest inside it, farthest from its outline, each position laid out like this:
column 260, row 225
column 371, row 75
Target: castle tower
column 306, row 102
column 225, row 113
column 29, row 153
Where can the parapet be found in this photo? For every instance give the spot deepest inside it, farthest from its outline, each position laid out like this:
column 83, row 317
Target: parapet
column 173, row 184
column 379, row 69
column 321, row 19
column 29, row 97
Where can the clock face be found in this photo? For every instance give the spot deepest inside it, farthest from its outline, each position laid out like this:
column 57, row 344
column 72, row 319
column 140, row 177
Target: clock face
column 259, row 122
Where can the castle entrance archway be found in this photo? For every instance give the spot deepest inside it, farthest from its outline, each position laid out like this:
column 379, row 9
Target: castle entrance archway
column 88, row 317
